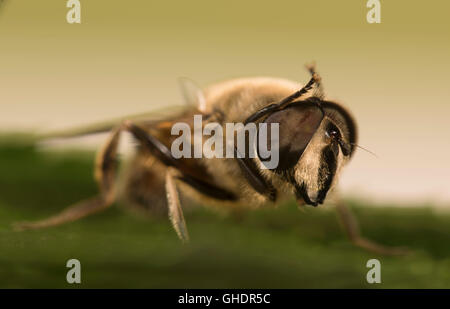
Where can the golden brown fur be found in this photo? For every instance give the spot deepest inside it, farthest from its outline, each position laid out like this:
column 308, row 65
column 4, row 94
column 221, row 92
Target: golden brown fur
column 228, row 102
column 148, row 186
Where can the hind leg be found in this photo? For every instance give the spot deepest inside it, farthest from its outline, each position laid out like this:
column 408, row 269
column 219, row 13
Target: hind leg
column 105, row 172
column 142, row 189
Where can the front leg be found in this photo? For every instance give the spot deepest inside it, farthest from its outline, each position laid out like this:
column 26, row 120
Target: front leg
column 255, row 179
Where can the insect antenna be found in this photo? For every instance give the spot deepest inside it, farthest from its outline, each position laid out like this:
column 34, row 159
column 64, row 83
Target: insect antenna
column 315, row 78
column 318, row 90
column 365, row 149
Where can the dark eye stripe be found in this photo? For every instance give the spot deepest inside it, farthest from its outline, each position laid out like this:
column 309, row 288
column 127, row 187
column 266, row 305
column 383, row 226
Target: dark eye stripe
column 328, row 168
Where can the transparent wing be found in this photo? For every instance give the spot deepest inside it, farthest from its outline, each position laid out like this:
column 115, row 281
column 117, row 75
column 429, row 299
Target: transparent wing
column 107, row 125
column 192, row 93
column 192, row 96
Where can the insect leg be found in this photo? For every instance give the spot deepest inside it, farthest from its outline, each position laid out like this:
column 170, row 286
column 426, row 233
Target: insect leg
column 175, row 211
column 160, row 151
column 255, row 179
column 105, row 172
column 176, row 171
column 152, row 144
column 351, row 226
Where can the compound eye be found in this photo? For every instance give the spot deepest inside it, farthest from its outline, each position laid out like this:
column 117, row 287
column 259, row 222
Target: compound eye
column 297, row 125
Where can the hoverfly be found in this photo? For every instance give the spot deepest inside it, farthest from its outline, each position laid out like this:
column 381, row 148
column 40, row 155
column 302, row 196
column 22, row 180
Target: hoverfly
column 317, row 137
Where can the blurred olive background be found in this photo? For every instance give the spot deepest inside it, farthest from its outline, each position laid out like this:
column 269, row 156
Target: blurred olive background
column 125, row 57
column 271, row 247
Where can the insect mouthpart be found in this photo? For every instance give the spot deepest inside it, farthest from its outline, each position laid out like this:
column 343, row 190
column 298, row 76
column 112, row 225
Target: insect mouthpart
column 303, row 197
column 312, row 184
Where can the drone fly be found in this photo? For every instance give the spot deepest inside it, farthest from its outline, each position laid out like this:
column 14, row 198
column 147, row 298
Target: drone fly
column 317, row 138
